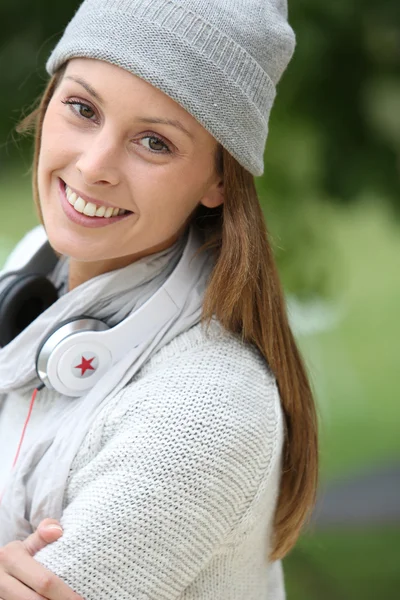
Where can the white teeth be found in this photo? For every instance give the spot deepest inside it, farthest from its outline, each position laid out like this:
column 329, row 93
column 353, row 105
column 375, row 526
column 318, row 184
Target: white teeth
column 79, row 205
column 72, row 198
column 89, row 208
column 100, row 211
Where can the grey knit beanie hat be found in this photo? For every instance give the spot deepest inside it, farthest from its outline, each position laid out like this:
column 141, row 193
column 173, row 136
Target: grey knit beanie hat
column 219, row 59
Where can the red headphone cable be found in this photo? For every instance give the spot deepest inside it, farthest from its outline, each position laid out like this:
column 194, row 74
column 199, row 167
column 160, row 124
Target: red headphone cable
column 32, row 402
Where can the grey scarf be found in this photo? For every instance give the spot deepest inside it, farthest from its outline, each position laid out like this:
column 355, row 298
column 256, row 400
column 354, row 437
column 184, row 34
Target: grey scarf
column 36, row 487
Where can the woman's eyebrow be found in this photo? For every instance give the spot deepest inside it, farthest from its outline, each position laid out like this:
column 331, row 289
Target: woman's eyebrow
column 87, row 87
column 92, row 91
column 173, row 122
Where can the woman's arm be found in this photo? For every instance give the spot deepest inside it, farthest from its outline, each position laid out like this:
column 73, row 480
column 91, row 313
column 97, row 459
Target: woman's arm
column 182, row 461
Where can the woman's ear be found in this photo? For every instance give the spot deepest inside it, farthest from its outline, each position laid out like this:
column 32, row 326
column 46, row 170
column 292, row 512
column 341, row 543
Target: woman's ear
column 214, row 196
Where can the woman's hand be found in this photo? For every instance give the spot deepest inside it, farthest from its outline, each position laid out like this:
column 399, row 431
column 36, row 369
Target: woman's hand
column 22, row 577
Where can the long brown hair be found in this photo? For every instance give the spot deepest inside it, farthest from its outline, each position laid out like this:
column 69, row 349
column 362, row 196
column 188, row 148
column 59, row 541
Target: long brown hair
column 252, row 305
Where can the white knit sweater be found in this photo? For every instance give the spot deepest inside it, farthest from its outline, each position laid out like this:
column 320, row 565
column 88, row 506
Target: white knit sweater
column 173, row 492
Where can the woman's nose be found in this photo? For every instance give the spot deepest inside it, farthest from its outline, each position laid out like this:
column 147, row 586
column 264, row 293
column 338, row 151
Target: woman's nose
column 98, row 163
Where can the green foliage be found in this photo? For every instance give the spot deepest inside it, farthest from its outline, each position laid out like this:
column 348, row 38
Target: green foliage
column 28, row 32
column 344, row 80
column 297, row 210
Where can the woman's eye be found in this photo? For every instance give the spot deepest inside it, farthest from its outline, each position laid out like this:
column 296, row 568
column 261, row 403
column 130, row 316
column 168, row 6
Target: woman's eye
column 155, row 144
column 151, row 142
column 83, row 110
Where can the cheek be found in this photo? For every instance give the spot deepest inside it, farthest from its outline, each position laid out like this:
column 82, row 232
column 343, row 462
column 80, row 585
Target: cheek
column 57, row 142
column 179, row 187
column 167, row 198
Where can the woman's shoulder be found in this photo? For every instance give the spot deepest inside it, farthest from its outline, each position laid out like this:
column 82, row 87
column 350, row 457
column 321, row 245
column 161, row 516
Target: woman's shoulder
column 208, row 356
column 210, row 350
column 210, row 375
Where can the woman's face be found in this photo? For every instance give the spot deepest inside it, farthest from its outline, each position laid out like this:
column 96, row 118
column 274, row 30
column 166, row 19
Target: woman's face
column 117, row 142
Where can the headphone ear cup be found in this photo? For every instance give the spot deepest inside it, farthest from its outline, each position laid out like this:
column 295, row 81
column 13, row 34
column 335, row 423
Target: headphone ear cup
column 22, row 302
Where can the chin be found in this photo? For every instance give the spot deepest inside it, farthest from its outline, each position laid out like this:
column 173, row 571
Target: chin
column 67, row 243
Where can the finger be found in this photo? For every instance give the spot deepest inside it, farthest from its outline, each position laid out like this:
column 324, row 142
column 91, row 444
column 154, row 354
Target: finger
column 35, row 576
column 12, row 589
column 48, row 531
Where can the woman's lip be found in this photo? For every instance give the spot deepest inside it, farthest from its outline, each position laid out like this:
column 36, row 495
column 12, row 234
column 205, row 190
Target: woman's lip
column 84, row 220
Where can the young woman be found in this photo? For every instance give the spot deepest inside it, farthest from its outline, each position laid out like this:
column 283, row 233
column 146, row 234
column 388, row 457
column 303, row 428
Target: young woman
column 188, row 468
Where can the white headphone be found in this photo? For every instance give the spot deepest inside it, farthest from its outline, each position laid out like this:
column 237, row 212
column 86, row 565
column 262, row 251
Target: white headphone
column 78, row 352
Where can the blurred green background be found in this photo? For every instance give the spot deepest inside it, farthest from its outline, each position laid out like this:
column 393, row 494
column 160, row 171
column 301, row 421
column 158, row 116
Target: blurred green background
column 331, row 199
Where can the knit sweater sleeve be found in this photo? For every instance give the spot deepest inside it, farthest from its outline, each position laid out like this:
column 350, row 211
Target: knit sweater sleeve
column 168, row 475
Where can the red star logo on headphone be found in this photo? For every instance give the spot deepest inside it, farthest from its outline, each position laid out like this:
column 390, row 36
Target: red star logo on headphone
column 86, row 365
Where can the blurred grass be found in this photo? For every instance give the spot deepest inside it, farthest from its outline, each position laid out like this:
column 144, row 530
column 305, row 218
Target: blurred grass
column 354, row 368
column 355, row 565
column 355, row 365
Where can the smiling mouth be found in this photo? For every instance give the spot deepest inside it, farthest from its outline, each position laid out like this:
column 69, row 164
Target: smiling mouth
column 90, row 209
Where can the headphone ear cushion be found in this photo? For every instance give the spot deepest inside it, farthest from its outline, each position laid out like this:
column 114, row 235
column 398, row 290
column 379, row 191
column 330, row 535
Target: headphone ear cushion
column 22, row 302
